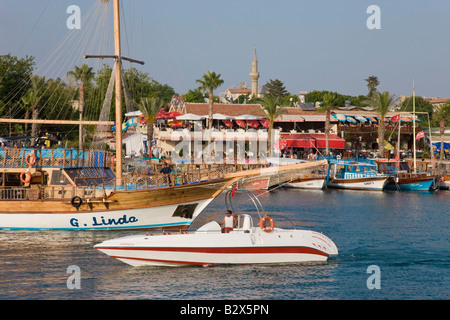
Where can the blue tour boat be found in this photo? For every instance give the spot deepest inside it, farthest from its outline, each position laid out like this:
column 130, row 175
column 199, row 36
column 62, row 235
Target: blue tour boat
column 402, row 179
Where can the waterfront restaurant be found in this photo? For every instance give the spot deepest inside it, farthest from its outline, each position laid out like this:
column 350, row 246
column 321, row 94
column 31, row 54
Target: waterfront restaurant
column 352, row 130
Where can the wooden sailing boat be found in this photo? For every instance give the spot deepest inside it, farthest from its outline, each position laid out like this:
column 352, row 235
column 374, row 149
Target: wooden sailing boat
column 66, row 189
column 402, row 179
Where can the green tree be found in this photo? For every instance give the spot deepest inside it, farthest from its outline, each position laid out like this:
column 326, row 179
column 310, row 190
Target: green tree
column 15, row 77
column 209, row 82
column 442, row 115
column 372, row 84
column 382, row 103
column 150, row 108
column 328, row 104
column 275, row 88
column 272, row 110
column 84, row 75
column 421, row 105
column 33, row 99
column 195, row 96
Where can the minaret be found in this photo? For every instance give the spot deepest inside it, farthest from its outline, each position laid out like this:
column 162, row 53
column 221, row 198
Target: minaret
column 254, row 75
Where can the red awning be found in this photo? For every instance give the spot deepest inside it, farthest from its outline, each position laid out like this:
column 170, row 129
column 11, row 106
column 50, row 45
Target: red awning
column 310, row 140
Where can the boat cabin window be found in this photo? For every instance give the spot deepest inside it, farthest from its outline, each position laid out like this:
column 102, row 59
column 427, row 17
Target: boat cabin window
column 58, row 178
column 185, row 210
column 89, row 176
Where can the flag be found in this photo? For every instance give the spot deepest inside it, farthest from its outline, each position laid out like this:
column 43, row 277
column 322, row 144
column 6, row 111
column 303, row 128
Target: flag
column 420, row 135
column 234, row 190
column 395, row 118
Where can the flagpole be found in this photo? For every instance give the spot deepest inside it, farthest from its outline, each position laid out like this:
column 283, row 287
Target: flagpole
column 414, row 126
column 398, row 139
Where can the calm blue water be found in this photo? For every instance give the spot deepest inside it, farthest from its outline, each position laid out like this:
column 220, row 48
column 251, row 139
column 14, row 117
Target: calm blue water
column 405, row 234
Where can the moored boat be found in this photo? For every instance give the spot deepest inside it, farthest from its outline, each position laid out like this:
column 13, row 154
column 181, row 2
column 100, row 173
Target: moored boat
column 307, row 179
column 247, row 243
column 347, row 174
column 402, row 179
column 308, row 182
column 63, row 189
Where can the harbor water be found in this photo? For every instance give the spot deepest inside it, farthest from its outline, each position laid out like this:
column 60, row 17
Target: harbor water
column 392, row 245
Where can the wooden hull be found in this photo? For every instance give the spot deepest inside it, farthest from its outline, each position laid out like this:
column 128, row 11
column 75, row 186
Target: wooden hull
column 159, row 208
column 316, row 183
column 411, row 182
column 373, row 183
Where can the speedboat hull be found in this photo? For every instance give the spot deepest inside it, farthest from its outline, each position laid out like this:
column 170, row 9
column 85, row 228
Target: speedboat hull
column 211, row 247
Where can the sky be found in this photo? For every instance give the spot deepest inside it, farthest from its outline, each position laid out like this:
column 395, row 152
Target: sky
column 307, row 44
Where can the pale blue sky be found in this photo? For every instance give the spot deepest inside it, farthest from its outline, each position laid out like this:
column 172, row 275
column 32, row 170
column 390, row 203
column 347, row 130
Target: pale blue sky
column 309, row 45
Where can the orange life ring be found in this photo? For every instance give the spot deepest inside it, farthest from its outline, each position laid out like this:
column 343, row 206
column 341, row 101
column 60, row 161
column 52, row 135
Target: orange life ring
column 113, row 161
column 32, row 161
column 25, row 177
column 263, row 224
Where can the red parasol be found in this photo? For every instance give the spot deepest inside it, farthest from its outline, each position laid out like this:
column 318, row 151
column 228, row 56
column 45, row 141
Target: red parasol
column 240, row 123
column 228, row 123
column 174, row 114
column 162, row 115
column 280, row 144
column 265, row 123
column 253, row 123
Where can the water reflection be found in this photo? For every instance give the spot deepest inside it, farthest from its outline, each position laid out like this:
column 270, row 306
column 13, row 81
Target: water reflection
column 406, row 234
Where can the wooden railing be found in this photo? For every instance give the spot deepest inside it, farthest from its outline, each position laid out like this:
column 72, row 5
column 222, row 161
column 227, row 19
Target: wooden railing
column 53, row 158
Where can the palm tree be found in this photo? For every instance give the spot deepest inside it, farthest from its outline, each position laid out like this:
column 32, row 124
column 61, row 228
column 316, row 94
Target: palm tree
column 150, row 108
column 210, row 82
column 443, row 116
column 382, row 102
column 273, row 111
column 31, row 101
column 329, row 100
column 85, row 75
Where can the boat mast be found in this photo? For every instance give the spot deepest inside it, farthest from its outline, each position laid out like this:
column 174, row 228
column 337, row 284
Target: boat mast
column 414, row 127
column 118, row 86
column 118, row 82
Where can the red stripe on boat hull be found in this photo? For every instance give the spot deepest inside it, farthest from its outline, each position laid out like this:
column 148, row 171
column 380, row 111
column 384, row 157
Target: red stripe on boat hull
column 242, row 250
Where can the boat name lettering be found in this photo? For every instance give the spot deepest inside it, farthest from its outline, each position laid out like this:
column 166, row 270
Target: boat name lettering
column 112, row 221
column 96, row 222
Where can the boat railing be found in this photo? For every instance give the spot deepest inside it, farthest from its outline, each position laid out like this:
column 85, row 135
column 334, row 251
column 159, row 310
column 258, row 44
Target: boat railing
column 100, row 191
column 53, row 158
column 15, row 194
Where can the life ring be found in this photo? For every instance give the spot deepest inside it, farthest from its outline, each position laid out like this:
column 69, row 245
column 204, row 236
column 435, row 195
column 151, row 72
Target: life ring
column 264, row 222
column 25, row 177
column 113, row 161
column 76, row 202
column 32, row 161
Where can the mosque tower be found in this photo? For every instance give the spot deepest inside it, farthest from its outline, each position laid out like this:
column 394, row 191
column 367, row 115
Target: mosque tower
column 254, row 75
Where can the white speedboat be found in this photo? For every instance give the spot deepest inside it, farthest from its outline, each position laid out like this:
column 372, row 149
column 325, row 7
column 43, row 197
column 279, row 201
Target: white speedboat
column 245, row 244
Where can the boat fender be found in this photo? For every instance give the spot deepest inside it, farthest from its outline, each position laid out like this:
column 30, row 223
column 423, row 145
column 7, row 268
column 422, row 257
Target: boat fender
column 31, row 161
column 76, row 202
column 25, row 176
column 264, row 224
